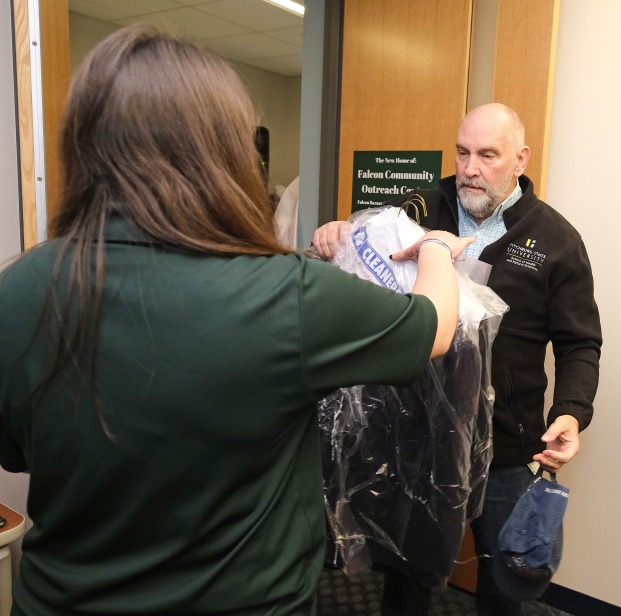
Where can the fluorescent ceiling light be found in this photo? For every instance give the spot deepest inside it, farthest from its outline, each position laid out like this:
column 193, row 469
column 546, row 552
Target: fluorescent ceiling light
column 288, row 5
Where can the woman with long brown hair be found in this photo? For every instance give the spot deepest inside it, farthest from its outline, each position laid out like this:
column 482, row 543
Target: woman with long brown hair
column 161, row 355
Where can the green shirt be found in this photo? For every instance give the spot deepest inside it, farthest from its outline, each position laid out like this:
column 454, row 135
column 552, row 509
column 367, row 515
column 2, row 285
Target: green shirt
column 208, row 500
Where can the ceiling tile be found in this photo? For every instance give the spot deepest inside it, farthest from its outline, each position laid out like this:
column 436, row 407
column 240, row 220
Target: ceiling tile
column 85, row 7
column 193, row 2
column 293, row 36
column 251, row 31
column 257, row 45
column 189, row 23
column 252, row 14
column 222, row 48
column 125, row 8
column 290, row 66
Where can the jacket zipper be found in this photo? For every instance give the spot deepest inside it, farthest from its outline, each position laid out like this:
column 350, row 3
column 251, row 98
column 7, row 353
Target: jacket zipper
column 520, row 427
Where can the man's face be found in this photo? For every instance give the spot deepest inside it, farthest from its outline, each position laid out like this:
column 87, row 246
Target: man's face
column 486, row 163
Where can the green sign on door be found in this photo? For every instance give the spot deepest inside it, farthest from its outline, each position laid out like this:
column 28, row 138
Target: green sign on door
column 383, row 175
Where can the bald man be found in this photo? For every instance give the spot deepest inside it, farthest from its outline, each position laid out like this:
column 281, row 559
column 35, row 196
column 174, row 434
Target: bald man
column 541, row 269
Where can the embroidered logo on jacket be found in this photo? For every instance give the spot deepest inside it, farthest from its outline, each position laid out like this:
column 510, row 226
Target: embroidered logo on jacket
column 525, row 256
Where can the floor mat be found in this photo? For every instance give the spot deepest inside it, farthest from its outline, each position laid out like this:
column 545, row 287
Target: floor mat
column 340, row 596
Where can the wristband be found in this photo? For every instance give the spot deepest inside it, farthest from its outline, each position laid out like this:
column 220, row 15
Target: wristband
column 433, row 240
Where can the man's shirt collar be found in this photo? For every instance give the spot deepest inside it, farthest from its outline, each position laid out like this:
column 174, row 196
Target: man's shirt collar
column 491, row 229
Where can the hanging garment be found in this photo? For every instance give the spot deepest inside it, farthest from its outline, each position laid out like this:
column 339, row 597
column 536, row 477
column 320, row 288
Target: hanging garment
column 405, row 468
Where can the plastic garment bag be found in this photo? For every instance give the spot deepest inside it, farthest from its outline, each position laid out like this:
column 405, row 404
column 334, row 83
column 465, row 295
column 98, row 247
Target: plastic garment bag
column 405, row 468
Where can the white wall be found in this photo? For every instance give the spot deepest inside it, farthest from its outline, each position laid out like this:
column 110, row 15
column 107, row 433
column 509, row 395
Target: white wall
column 483, row 42
column 84, row 33
column 277, row 100
column 13, row 487
column 311, row 109
column 276, row 97
column 9, row 195
column 583, row 166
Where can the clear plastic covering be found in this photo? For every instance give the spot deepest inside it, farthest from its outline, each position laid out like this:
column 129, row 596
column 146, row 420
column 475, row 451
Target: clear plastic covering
column 405, row 468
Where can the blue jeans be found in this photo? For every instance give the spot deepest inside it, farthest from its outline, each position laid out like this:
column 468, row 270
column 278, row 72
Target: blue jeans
column 505, row 485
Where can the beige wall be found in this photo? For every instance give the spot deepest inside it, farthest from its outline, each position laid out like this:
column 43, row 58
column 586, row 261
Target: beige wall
column 13, row 487
column 276, row 97
column 277, row 100
column 480, row 84
column 582, row 168
column 84, row 33
column 9, row 196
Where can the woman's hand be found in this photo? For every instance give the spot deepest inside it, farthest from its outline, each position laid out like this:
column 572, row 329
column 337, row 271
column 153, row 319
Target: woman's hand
column 453, row 244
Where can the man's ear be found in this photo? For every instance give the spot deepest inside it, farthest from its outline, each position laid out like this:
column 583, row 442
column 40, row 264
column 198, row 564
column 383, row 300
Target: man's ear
column 522, row 160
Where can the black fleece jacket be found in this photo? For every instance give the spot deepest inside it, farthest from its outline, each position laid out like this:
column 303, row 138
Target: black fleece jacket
column 542, row 271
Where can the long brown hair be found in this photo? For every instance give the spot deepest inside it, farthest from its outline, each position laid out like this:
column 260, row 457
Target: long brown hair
column 166, row 129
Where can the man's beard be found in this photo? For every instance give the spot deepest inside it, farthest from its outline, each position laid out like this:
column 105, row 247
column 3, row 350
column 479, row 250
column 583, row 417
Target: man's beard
column 482, row 205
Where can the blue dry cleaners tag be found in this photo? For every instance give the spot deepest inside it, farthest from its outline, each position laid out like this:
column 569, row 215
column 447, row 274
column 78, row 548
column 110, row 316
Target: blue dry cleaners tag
column 373, row 262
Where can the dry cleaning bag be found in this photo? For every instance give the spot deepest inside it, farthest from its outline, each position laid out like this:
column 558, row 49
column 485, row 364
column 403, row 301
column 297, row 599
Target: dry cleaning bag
column 405, row 468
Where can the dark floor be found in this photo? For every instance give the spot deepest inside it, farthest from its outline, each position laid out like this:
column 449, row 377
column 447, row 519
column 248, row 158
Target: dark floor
column 339, row 596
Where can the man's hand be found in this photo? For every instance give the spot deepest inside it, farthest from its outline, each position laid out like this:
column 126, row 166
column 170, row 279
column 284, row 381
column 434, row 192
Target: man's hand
column 329, row 237
column 562, row 443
